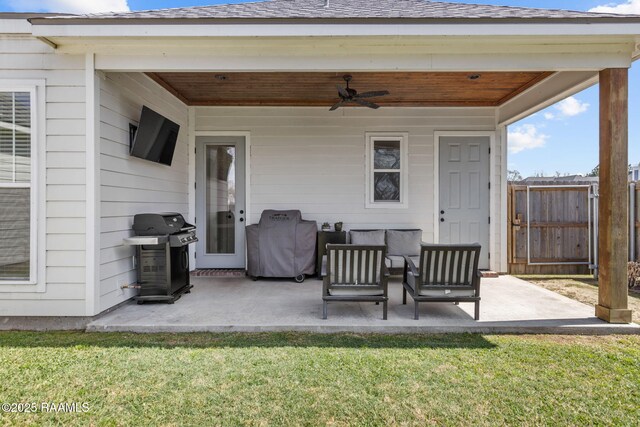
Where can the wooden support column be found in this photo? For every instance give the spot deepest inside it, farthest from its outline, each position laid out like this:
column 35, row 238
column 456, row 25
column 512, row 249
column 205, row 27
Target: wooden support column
column 613, row 243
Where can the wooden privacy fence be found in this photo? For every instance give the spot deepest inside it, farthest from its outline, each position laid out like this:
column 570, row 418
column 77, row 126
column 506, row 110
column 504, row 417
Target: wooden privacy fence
column 552, row 228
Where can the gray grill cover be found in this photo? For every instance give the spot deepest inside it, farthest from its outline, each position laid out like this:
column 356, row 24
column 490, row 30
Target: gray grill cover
column 282, row 244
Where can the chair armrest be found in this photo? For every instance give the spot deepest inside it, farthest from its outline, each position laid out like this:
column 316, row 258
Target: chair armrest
column 410, row 267
column 384, row 279
column 325, row 286
column 477, row 282
column 385, row 270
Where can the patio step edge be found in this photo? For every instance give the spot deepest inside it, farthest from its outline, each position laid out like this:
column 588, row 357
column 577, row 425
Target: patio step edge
column 632, row 329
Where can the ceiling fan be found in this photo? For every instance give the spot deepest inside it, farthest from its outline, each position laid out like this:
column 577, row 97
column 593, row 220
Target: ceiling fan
column 348, row 95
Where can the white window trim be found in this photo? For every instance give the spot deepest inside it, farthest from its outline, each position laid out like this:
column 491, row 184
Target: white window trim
column 36, row 89
column 371, row 138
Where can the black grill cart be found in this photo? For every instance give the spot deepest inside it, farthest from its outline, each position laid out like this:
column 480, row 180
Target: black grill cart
column 162, row 260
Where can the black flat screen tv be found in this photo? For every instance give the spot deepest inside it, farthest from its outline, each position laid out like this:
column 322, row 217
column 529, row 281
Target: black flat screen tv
column 156, row 137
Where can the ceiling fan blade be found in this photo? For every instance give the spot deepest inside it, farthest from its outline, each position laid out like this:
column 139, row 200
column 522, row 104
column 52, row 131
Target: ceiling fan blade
column 366, row 103
column 343, row 92
column 336, row 106
column 373, row 94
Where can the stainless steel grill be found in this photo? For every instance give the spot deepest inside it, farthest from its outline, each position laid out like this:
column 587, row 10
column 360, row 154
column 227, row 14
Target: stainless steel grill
column 162, row 256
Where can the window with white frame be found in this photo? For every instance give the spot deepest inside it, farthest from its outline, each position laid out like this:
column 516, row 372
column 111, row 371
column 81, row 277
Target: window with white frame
column 387, row 170
column 16, row 225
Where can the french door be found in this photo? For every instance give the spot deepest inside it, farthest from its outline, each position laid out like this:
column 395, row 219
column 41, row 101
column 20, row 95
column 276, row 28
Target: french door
column 220, row 201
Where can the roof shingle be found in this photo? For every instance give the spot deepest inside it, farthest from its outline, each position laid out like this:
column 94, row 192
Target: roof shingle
column 347, row 9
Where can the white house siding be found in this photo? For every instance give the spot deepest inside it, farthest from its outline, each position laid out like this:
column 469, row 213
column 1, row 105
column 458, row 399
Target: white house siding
column 314, row 160
column 130, row 185
column 21, row 58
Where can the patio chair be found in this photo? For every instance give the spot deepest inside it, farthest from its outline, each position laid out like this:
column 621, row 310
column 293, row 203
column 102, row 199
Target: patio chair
column 355, row 273
column 446, row 273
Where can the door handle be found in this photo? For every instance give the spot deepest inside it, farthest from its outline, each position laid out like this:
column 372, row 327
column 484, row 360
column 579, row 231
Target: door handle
column 241, row 219
column 441, row 212
column 185, row 261
column 441, row 219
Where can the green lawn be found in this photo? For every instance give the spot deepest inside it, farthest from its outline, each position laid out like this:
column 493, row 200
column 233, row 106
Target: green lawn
column 305, row 379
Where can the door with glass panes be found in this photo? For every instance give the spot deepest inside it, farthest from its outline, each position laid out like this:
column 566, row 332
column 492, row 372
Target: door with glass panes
column 220, row 201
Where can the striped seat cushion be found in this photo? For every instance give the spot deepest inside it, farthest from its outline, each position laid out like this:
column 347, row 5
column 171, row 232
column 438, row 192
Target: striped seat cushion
column 447, row 268
column 355, row 266
column 374, row 291
column 323, row 267
column 445, row 292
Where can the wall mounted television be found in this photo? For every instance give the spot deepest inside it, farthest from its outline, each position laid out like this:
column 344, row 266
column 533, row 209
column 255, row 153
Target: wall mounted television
column 156, row 137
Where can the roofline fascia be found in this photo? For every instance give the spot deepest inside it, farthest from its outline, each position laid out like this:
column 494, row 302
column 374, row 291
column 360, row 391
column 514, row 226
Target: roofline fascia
column 29, row 15
column 315, row 28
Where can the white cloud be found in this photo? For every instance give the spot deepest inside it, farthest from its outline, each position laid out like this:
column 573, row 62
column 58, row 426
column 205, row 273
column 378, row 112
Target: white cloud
column 70, row 6
column 572, row 107
column 525, row 137
column 569, row 107
column 629, row 7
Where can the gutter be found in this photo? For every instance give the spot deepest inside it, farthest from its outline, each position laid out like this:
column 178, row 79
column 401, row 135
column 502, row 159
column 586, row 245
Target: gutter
column 78, row 20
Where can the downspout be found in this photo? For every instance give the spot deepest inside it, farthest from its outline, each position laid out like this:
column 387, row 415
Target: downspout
column 48, row 42
column 596, row 230
column 92, row 183
column 632, row 221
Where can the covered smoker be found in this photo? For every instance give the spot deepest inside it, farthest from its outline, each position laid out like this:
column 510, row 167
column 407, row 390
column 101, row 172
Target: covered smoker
column 282, row 244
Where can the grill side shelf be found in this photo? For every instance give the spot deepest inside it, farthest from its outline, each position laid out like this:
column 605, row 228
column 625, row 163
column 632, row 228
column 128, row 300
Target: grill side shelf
column 145, row 240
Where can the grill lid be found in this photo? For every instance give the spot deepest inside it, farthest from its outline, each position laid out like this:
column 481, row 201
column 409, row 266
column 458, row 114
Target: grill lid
column 156, row 224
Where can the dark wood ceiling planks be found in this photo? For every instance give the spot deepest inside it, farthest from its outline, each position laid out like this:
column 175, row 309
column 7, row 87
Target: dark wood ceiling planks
column 407, row 89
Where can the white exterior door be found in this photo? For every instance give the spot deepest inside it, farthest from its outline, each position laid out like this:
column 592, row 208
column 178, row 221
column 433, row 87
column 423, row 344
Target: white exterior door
column 220, row 202
column 464, row 192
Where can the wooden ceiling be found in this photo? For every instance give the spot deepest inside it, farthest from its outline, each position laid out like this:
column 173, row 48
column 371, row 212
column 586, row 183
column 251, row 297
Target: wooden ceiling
column 407, row 89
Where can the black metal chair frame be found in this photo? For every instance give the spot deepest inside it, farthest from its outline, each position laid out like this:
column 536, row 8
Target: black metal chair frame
column 438, row 258
column 363, row 281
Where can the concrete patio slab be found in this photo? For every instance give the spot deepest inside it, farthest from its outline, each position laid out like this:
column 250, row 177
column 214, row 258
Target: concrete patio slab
column 509, row 305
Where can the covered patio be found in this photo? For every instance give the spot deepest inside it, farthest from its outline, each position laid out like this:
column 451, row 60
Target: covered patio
column 255, row 85
column 238, row 304
column 282, row 119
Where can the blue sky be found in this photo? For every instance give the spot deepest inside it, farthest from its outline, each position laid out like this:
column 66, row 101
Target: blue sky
column 563, row 138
